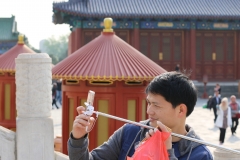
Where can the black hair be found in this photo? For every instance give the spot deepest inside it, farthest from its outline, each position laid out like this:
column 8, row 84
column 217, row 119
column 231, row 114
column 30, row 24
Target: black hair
column 176, row 88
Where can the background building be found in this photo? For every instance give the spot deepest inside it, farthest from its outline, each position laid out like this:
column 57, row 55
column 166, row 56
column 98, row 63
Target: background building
column 202, row 36
column 8, row 34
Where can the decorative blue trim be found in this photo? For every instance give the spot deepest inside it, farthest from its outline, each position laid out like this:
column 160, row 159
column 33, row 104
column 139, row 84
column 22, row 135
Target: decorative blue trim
column 219, row 25
column 99, row 24
column 136, row 24
column 164, row 25
column 193, row 25
column 159, row 24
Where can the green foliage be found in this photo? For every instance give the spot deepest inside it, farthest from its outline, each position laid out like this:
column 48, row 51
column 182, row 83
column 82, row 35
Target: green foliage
column 30, row 46
column 56, row 48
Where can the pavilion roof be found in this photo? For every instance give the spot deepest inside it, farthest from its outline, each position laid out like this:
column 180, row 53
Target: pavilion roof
column 167, row 9
column 7, row 60
column 107, row 57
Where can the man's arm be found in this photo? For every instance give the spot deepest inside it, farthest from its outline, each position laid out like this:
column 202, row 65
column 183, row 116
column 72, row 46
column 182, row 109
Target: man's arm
column 78, row 148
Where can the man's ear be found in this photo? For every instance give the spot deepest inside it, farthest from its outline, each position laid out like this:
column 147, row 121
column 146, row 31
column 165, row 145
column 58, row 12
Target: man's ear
column 182, row 110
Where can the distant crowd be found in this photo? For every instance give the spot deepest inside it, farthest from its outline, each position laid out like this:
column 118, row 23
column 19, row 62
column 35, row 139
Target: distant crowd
column 226, row 114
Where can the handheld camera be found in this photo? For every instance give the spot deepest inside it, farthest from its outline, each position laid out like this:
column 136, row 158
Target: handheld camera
column 89, row 103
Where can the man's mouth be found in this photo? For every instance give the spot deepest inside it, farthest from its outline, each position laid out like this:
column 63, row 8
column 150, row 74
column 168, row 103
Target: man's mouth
column 152, row 119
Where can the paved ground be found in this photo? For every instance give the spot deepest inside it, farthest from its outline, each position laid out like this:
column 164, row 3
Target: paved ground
column 201, row 120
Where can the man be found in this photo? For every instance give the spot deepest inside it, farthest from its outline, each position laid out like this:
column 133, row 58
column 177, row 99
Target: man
column 177, row 68
column 235, row 108
column 54, row 93
column 171, row 97
column 59, row 91
column 216, row 100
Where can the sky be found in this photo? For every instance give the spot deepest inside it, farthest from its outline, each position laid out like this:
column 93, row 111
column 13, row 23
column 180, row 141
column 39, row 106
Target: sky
column 34, row 19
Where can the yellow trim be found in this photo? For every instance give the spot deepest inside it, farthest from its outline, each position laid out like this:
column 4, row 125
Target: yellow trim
column 104, row 78
column 131, row 110
column 214, row 56
column 102, row 122
column 7, row 101
column 160, row 56
column 7, row 70
column 70, row 113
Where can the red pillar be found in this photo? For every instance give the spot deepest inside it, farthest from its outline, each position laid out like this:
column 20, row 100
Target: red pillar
column 185, row 63
column 65, row 124
column 136, row 35
column 70, row 44
column 193, row 53
column 237, row 66
column 73, row 41
column 78, row 36
column 136, row 38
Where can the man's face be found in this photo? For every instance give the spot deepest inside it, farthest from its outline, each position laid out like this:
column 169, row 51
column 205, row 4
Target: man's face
column 233, row 99
column 159, row 109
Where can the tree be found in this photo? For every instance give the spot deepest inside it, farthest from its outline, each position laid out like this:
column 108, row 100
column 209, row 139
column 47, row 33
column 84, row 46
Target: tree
column 30, row 46
column 56, row 48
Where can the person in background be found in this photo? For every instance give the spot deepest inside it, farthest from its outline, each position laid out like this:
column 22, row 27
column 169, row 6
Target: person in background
column 224, row 119
column 235, row 108
column 177, row 68
column 216, row 100
column 209, row 102
column 59, row 91
column 54, row 93
column 218, row 88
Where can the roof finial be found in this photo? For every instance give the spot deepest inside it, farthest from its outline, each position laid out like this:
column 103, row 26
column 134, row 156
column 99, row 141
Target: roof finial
column 108, row 25
column 20, row 39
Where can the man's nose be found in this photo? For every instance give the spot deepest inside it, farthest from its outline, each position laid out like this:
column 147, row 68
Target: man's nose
column 150, row 109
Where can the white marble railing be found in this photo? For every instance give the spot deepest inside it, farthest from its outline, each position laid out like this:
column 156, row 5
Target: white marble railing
column 34, row 137
column 7, row 144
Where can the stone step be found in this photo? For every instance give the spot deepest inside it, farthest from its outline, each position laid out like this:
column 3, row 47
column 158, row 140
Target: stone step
column 227, row 88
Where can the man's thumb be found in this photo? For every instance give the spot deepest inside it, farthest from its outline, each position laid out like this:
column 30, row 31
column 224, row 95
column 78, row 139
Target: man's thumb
column 92, row 122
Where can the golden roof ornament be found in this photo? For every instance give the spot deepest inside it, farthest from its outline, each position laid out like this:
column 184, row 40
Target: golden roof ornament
column 20, row 39
column 108, row 25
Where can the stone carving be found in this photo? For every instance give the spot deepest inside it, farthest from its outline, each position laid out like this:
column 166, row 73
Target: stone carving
column 33, row 85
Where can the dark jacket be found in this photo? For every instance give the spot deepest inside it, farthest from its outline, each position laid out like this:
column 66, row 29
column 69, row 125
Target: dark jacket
column 212, row 102
column 122, row 144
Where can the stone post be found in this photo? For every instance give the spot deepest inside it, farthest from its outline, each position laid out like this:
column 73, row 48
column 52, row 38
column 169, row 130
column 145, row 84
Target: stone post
column 34, row 104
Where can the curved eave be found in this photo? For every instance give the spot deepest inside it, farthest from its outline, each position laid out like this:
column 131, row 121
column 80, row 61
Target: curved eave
column 134, row 16
column 7, row 70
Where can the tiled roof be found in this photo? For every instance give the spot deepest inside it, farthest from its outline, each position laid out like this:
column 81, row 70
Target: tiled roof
column 107, row 57
column 8, row 29
column 7, row 60
column 193, row 9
